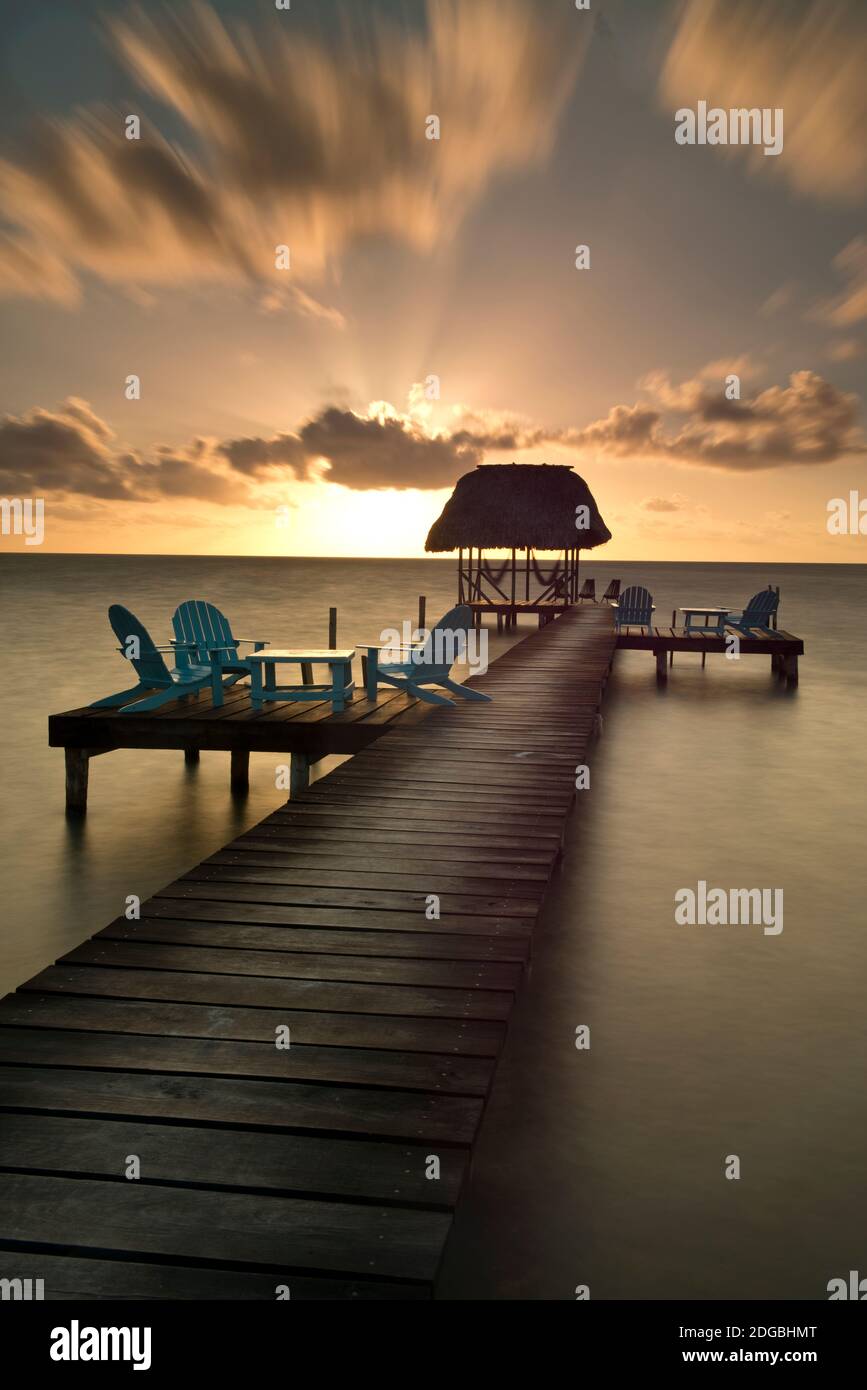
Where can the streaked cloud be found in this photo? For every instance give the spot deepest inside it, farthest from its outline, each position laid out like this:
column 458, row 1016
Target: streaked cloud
column 808, row 59
column 286, row 141
column 847, row 350
column 850, row 305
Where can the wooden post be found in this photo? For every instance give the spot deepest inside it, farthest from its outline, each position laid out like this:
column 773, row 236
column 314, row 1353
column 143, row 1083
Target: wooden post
column 240, row 769
column 791, row 669
column 527, row 579
column 77, row 760
column 332, row 629
column 461, row 575
column 661, row 673
column 513, row 617
column 422, row 612
column 673, row 623
column 299, row 774
column 191, row 756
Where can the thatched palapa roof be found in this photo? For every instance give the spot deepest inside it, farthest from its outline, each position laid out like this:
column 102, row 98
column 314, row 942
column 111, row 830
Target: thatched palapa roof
column 503, row 505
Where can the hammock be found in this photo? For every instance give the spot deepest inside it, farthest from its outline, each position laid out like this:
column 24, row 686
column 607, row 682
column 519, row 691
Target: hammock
column 546, row 580
column 495, row 575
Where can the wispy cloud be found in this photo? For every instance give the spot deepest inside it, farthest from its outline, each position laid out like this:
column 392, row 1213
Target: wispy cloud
column 850, row 305
column 287, row 142
column 808, row 59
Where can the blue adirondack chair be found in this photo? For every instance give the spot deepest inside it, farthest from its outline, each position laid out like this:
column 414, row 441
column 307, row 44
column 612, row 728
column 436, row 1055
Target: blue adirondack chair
column 635, row 606
column 204, row 637
column 758, row 612
column 427, row 663
column 153, row 674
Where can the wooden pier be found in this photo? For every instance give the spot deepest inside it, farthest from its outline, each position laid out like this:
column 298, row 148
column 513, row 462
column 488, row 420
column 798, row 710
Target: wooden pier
column 305, row 732
column 782, row 647
column 379, row 923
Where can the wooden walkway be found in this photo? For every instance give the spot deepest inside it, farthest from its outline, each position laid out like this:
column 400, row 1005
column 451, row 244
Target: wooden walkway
column 306, row 1167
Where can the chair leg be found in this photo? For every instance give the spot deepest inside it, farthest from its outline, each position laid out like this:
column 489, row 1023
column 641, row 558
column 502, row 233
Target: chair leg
column 410, row 687
column 114, row 701
column 466, row 692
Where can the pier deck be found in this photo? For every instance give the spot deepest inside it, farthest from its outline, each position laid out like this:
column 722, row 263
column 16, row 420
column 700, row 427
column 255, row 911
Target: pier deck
column 384, row 918
column 782, row 647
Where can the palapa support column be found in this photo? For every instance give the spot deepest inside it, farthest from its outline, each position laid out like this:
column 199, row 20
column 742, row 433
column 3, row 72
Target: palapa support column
column 299, row 773
column 240, row 770
column 77, row 767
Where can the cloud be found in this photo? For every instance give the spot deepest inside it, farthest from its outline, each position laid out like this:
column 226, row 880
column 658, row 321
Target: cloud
column 808, row 422
column 72, row 452
column 810, row 60
column 779, row 300
column 850, row 306
column 284, row 141
column 661, row 504
column 377, row 450
column 846, row 350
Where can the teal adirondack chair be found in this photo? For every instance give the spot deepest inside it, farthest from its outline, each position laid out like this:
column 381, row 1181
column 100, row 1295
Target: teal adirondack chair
column 635, row 606
column 427, row 663
column 758, row 612
column 153, row 673
column 204, row 637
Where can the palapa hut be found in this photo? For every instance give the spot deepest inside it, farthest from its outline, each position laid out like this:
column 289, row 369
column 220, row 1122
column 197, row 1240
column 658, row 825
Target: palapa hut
column 518, row 507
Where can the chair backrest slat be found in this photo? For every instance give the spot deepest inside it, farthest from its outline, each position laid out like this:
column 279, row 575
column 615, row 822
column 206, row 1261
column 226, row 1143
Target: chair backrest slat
column 138, row 647
column 635, row 606
column 200, row 622
column 762, row 604
column 446, row 642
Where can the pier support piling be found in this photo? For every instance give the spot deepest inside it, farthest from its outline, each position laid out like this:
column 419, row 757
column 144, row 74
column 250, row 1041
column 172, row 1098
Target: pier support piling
column 191, row 756
column 77, row 768
column 240, row 771
column 661, row 668
column 299, row 774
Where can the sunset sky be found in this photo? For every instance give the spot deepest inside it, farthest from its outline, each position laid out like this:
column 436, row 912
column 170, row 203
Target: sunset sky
column 265, row 388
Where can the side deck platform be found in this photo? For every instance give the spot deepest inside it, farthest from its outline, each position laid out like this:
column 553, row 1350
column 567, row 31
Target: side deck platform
column 782, row 647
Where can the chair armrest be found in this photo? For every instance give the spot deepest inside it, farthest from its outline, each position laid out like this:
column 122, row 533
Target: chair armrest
column 188, row 646
column 386, row 647
column 253, row 642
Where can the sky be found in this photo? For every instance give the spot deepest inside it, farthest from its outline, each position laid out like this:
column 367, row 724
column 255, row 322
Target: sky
column 285, row 320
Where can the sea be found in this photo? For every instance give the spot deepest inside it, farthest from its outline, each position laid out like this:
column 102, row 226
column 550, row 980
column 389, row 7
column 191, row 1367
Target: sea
column 604, row 1169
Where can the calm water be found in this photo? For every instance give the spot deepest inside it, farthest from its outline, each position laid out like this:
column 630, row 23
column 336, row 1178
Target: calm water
column 602, row 1167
